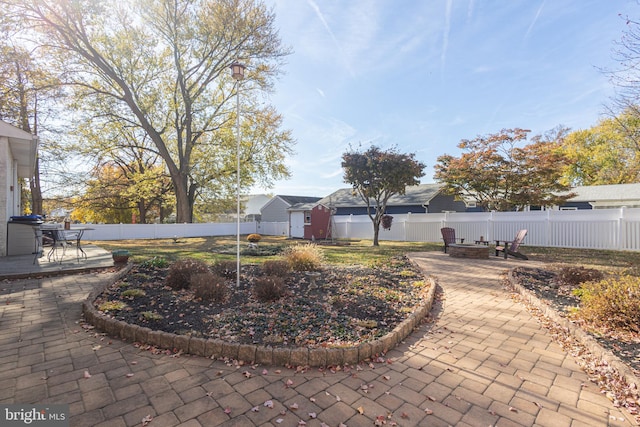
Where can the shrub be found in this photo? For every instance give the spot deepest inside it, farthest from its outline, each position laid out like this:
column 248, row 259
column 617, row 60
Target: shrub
column 181, row 272
column 112, row 306
column 254, row 238
column 613, row 302
column 226, row 268
column 268, row 288
column 209, row 287
column 573, row 276
column 276, row 268
column 134, row 293
column 306, row 257
column 157, row 262
column 151, row 316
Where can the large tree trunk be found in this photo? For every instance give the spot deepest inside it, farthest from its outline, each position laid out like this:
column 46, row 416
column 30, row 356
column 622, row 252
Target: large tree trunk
column 36, row 192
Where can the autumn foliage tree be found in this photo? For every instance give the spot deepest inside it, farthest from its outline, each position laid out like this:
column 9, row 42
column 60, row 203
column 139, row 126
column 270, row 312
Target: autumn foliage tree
column 376, row 175
column 607, row 153
column 502, row 172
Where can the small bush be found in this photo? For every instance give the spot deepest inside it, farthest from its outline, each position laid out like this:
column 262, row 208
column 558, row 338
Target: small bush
column 268, row 288
column 225, row 268
column 181, row 272
column 276, row 268
column 209, row 287
column 613, row 302
column 573, row 276
column 151, row 316
column 254, row 238
column 157, row 262
column 306, row 257
column 112, row 306
column 134, row 293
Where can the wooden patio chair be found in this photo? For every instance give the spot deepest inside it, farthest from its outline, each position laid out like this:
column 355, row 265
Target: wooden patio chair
column 511, row 248
column 449, row 237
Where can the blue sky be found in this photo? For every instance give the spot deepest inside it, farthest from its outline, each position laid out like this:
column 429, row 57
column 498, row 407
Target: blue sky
column 422, row 75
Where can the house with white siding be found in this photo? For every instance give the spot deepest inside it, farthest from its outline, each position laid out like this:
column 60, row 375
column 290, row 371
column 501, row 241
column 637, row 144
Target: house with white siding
column 18, row 151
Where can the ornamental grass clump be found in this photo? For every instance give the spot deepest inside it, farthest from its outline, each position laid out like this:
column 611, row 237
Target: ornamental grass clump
column 611, row 303
column 181, row 272
column 276, row 268
column 209, row 287
column 268, row 288
column 308, row 257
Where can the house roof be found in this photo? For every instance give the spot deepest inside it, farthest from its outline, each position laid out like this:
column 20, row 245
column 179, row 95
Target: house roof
column 612, row 195
column 23, row 147
column 415, row 195
column 292, row 201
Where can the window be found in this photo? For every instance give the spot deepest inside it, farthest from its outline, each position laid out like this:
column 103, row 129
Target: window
column 307, row 217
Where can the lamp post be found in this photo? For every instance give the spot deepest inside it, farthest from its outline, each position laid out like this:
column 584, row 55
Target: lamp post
column 237, row 72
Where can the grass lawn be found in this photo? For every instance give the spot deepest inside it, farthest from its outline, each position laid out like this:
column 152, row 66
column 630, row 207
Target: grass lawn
column 212, row 249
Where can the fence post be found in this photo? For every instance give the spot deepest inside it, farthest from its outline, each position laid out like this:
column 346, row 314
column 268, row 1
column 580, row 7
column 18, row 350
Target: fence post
column 620, row 234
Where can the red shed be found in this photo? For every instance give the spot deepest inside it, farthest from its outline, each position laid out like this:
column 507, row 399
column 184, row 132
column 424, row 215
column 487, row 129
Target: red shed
column 321, row 223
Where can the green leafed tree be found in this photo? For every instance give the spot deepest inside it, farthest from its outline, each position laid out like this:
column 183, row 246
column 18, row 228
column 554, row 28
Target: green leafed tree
column 607, row 153
column 163, row 66
column 376, row 175
column 502, row 172
column 27, row 94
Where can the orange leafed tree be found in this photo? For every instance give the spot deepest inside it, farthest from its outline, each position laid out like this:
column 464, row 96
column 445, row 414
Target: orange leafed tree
column 503, row 171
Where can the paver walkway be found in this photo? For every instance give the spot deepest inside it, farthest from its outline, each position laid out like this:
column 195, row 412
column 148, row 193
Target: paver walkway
column 482, row 361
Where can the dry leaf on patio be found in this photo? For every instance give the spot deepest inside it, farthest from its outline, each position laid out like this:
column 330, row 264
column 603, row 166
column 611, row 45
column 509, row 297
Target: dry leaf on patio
column 293, row 406
column 361, row 410
column 87, row 374
column 146, row 420
column 269, row 404
column 227, row 410
column 313, row 415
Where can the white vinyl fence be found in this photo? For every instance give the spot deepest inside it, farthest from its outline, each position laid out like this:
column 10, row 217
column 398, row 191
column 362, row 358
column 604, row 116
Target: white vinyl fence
column 617, row 229
column 589, row 229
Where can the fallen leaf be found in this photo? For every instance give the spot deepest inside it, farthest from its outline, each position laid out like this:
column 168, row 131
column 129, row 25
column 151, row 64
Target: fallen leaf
column 96, row 347
column 293, row 406
column 312, row 415
column 269, row 404
column 289, row 383
column 129, row 375
column 428, row 411
column 247, row 374
column 512, row 409
column 265, row 372
column 302, row 423
column 255, row 409
column 87, row 374
column 279, row 420
column 146, row 420
column 386, row 377
column 227, row 410
column 361, row 410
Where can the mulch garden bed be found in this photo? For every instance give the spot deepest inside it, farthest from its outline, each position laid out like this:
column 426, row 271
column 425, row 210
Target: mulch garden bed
column 544, row 284
column 348, row 305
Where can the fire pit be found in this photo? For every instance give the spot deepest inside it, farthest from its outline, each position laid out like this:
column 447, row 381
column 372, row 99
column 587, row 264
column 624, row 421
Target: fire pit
column 468, row 251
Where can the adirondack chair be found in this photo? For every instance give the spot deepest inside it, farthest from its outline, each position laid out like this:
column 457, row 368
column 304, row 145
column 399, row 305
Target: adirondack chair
column 449, row 237
column 511, row 248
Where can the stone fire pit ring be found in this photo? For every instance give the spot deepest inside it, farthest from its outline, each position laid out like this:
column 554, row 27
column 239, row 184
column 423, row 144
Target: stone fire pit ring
column 462, row 250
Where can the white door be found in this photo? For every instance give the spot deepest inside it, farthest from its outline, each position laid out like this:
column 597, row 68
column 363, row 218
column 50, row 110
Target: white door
column 296, row 224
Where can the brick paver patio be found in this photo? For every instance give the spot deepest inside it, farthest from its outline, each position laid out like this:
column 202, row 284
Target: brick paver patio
column 482, row 360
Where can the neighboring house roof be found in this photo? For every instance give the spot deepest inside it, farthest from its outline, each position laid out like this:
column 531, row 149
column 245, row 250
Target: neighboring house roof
column 607, row 195
column 294, row 200
column 23, row 148
column 415, row 195
column 291, row 201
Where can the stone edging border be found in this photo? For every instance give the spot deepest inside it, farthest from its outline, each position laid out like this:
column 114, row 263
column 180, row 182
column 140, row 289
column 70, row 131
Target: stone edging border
column 265, row 355
column 578, row 333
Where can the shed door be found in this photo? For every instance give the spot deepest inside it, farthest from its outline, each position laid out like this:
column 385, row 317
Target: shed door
column 296, row 224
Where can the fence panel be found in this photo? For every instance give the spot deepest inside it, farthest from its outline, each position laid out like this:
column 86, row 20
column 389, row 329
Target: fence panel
column 590, row 229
